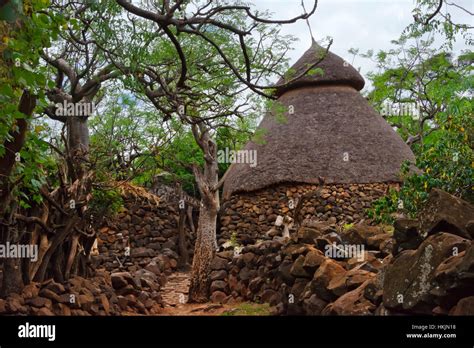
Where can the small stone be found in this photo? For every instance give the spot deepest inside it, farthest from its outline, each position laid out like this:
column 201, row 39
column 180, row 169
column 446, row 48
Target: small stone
column 40, row 302
column 218, row 297
column 219, row 263
column 45, row 312
column 218, row 275
column 50, row 294
column 121, row 279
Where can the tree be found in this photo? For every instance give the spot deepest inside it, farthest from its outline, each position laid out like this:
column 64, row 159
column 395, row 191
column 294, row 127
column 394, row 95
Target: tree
column 25, row 30
column 80, row 71
column 224, row 51
column 437, row 122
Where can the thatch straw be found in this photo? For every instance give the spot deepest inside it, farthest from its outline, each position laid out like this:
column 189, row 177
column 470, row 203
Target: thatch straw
column 332, row 122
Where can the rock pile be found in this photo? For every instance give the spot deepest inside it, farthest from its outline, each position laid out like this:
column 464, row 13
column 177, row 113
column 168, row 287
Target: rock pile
column 142, row 230
column 119, row 294
column 304, row 275
column 137, row 251
column 325, row 271
column 250, row 216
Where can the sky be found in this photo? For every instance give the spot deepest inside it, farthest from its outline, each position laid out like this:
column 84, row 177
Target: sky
column 362, row 24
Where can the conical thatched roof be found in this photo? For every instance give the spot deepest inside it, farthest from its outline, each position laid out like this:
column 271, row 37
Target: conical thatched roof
column 335, row 71
column 333, row 133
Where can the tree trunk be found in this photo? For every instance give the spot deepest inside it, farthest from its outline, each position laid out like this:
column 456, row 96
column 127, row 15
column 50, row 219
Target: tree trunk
column 78, row 134
column 12, row 275
column 204, row 251
column 189, row 213
column 13, row 146
column 206, row 244
column 78, row 144
column 183, row 250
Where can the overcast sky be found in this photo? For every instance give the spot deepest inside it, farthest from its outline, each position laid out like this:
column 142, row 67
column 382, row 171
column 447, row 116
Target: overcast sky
column 362, row 24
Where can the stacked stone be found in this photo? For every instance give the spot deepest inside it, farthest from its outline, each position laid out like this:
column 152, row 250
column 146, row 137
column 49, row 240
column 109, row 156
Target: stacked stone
column 295, row 275
column 250, row 216
column 140, row 232
column 426, row 267
column 100, row 295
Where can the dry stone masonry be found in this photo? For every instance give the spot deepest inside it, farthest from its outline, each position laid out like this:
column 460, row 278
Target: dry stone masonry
column 137, row 252
column 424, row 266
column 251, row 215
column 144, row 234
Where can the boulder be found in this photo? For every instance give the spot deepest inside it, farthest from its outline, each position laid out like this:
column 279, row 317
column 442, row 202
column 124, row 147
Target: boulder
column 271, row 296
column 376, row 241
column 406, row 235
column 349, row 281
column 298, row 287
column 408, row 280
column 284, row 272
column 47, row 293
column 30, row 291
column 328, row 270
column 121, row 279
column 45, row 312
column 218, row 275
column 360, row 233
column 218, row 297
column 297, row 270
column 454, row 278
column 465, row 306
column 314, row 305
column 142, row 252
column 368, row 263
column 352, row 303
column 313, row 260
column 446, row 213
column 39, row 302
column 55, row 287
column 308, row 234
column 218, row 285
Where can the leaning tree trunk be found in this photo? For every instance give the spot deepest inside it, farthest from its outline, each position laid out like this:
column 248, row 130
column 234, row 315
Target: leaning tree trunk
column 204, row 251
column 206, row 244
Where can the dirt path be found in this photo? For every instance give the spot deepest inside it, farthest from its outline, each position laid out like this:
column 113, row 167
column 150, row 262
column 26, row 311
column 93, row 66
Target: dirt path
column 175, row 292
column 175, row 297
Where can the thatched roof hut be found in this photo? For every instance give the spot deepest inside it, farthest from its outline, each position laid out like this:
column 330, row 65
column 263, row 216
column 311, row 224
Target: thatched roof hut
column 333, row 133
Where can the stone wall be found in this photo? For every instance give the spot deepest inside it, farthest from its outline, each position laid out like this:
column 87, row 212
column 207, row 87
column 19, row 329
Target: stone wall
column 296, row 277
column 149, row 228
column 123, row 283
column 421, row 267
column 98, row 296
column 251, row 215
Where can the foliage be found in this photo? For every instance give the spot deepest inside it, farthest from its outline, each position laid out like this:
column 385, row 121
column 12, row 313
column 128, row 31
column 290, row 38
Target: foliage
column 26, row 31
column 105, row 202
column 439, row 124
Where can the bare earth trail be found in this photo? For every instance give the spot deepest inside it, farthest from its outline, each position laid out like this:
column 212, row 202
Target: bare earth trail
column 175, row 296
